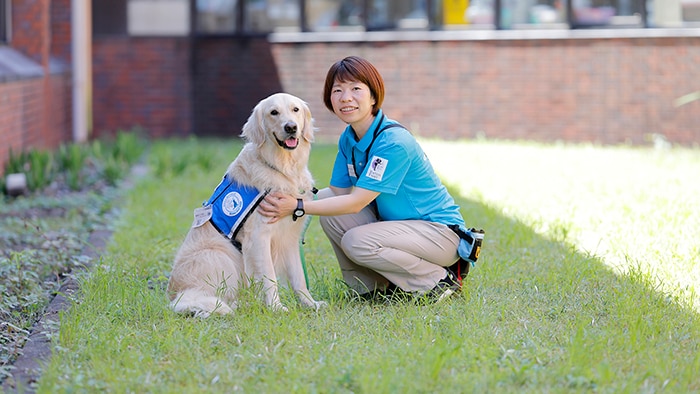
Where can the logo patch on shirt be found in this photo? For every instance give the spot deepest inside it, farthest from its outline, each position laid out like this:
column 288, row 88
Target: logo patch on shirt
column 376, row 168
column 351, row 171
column 232, row 204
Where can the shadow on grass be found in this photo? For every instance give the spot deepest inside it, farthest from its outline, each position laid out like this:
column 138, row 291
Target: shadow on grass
column 548, row 303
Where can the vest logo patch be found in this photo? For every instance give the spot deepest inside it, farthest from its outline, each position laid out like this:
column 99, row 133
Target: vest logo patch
column 232, row 204
column 376, row 168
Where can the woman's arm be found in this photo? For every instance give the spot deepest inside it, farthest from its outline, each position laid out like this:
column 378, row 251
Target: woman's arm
column 344, row 201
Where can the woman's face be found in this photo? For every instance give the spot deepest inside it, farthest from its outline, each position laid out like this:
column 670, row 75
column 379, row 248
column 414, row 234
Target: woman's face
column 352, row 103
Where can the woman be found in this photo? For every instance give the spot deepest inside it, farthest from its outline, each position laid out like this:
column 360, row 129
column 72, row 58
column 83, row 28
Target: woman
column 386, row 213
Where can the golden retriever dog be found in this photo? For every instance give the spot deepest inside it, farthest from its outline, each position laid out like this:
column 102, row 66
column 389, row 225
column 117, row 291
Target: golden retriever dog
column 209, row 268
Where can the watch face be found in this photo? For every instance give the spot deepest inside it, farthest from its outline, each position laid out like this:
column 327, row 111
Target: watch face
column 299, row 212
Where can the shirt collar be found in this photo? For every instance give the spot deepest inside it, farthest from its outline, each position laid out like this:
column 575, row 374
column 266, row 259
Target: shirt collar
column 363, row 144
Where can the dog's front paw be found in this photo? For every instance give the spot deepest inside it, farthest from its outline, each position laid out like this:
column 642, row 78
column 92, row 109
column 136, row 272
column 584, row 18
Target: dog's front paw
column 319, row 305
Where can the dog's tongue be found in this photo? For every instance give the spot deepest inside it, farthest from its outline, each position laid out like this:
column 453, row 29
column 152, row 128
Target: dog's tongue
column 291, row 142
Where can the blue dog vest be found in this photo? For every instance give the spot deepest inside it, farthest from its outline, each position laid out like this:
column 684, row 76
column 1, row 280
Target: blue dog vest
column 229, row 207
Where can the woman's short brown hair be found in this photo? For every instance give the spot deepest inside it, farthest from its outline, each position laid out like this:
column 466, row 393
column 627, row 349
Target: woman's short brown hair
column 355, row 68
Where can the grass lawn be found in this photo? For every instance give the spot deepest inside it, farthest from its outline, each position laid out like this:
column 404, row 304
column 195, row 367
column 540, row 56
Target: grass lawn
column 586, row 283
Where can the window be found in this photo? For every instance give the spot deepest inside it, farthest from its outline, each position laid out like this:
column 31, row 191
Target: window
column 158, row 17
column 108, row 17
column 328, row 15
column 324, row 15
column 390, row 15
column 259, row 16
column 602, row 13
column 5, row 20
column 140, row 17
column 216, row 16
column 228, row 17
column 272, row 15
column 675, row 13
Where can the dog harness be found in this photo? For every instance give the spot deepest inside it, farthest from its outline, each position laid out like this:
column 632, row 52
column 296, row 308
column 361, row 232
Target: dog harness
column 229, row 207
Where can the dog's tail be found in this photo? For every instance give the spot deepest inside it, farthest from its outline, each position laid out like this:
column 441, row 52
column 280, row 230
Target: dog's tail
column 199, row 303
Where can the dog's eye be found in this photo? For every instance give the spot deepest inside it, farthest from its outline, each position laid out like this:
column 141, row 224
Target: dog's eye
column 296, row 109
column 275, row 112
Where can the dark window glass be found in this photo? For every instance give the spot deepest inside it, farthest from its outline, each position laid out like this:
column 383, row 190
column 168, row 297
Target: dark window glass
column 109, row 17
column 397, row 14
column 326, row 15
column 216, row 16
column 606, row 13
column 272, row 15
column 4, row 20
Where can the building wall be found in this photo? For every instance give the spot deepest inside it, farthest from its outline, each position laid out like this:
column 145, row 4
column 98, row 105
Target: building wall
column 35, row 106
column 604, row 90
column 608, row 91
column 174, row 87
column 141, row 82
column 230, row 77
column 20, row 119
column 61, row 34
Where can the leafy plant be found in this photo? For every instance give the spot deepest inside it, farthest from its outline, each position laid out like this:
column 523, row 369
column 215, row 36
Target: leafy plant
column 113, row 170
column 128, row 146
column 40, row 170
column 16, row 162
column 97, row 149
column 71, row 159
column 79, row 164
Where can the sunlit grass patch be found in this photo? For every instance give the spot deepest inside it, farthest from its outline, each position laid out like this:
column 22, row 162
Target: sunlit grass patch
column 632, row 207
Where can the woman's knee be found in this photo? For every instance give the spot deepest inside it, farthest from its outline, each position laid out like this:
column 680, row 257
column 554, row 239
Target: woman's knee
column 355, row 247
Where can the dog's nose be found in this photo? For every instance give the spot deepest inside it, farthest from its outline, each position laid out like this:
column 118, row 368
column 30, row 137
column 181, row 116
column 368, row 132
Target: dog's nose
column 290, row 128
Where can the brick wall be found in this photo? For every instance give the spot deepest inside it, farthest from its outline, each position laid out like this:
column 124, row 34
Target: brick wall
column 35, row 110
column 31, row 29
column 141, row 82
column 230, row 77
column 61, row 30
column 604, row 90
column 31, row 120
column 600, row 90
column 19, row 116
column 171, row 88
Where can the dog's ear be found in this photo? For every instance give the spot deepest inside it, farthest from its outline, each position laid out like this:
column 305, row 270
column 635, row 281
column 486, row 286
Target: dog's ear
column 309, row 129
column 253, row 127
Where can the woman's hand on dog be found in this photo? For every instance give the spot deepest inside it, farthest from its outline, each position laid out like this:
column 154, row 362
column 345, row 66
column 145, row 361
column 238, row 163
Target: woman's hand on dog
column 276, row 206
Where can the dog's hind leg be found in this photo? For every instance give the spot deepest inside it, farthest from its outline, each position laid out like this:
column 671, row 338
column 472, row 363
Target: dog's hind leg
column 200, row 303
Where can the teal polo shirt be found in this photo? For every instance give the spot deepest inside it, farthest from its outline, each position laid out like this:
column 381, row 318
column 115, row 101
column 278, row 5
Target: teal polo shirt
column 396, row 167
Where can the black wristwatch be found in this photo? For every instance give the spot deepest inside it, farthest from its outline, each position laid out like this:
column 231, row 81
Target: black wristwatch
column 299, row 212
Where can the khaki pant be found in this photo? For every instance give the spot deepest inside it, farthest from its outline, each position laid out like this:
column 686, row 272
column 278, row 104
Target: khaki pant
column 411, row 254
